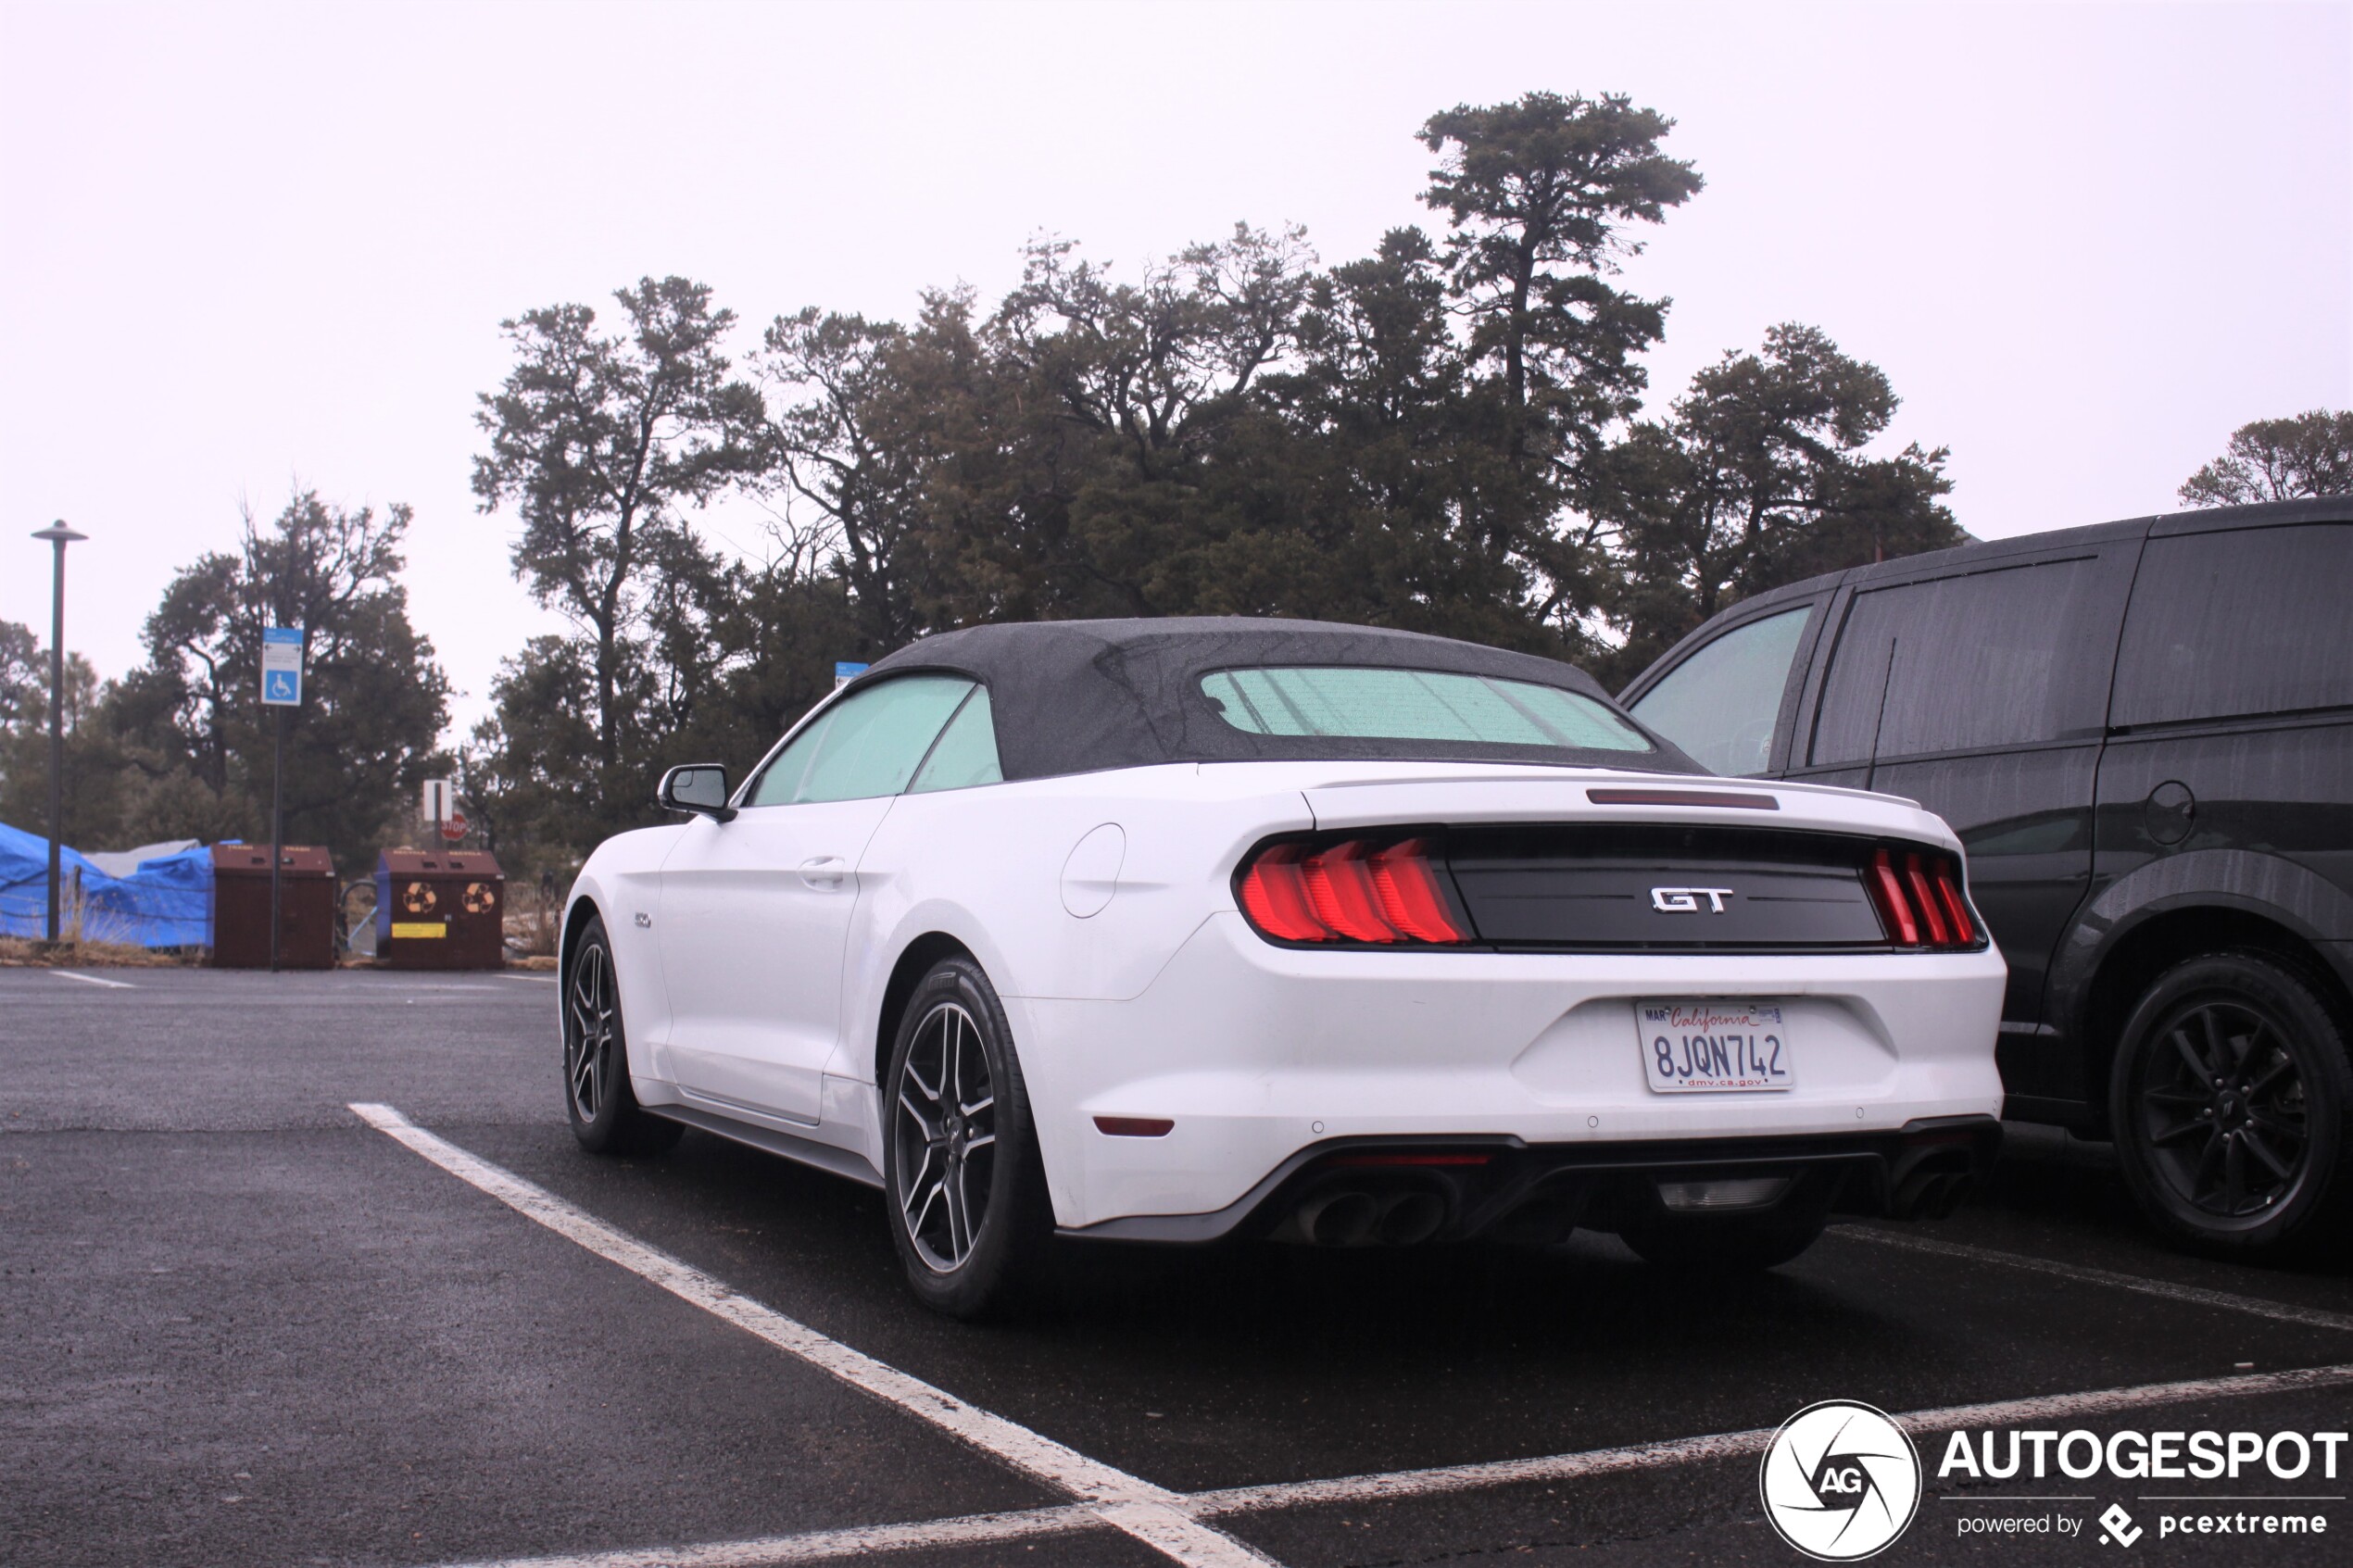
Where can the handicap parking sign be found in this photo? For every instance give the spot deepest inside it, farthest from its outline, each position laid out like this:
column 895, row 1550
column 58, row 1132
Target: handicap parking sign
column 282, row 666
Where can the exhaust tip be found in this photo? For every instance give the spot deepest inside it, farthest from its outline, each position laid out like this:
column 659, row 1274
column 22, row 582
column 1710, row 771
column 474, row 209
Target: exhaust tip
column 1947, row 1196
column 1408, row 1219
column 1339, row 1219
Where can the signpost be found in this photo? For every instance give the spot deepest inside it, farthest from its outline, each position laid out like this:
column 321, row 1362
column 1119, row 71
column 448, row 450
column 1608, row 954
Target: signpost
column 846, row 671
column 280, row 689
column 441, row 810
column 59, row 536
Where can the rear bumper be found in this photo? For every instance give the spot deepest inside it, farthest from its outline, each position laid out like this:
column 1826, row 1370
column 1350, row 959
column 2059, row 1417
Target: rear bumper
column 1502, row 1186
column 1260, row 1056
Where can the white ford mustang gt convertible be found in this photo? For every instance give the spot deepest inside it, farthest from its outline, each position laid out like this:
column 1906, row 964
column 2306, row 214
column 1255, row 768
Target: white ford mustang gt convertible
column 1179, row 930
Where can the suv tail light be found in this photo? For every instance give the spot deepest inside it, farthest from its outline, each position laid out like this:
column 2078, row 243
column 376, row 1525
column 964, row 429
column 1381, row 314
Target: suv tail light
column 1369, row 890
column 1921, row 900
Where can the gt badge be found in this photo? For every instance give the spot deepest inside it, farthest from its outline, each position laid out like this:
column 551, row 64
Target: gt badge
column 1685, row 900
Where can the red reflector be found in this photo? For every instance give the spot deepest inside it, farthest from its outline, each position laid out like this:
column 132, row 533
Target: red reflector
column 1134, row 1126
column 1924, row 897
column 1340, row 889
column 1404, row 1157
column 1895, row 910
column 1948, row 888
column 1274, row 897
column 1409, row 893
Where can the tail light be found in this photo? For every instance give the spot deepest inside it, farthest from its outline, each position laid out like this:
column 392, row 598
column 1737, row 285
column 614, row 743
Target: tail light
column 1919, row 900
column 1374, row 890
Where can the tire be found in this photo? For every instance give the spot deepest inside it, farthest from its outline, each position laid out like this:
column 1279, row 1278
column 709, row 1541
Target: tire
column 1729, row 1244
column 603, row 1109
column 966, row 1188
column 2229, row 1101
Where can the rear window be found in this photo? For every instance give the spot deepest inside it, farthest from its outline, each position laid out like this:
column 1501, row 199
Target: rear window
column 2225, row 625
column 1991, row 660
column 1356, row 703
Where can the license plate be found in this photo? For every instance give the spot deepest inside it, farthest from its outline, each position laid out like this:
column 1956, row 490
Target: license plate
column 1696, row 1045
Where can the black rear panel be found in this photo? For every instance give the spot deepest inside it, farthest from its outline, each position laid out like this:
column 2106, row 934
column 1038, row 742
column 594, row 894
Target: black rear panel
column 1660, row 889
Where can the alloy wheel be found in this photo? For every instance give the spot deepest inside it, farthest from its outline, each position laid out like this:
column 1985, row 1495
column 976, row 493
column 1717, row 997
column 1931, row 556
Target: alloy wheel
column 944, row 1137
column 2221, row 1108
column 588, row 1042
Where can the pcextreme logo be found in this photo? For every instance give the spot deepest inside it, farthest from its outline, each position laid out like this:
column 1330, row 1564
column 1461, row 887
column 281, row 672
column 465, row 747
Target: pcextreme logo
column 1841, row 1481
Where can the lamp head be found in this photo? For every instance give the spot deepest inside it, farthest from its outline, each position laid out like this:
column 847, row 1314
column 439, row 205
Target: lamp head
column 59, row 534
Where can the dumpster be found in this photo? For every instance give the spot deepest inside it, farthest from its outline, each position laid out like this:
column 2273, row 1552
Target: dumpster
column 440, row 909
column 240, row 907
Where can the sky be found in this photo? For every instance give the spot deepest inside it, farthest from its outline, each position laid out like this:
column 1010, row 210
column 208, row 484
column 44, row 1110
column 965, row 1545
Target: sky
column 247, row 249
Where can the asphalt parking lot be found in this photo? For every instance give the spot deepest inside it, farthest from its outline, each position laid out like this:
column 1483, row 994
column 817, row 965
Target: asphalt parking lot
column 246, row 1322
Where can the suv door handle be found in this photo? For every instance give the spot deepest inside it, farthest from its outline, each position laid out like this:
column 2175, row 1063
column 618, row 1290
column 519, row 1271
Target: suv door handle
column 824, row 872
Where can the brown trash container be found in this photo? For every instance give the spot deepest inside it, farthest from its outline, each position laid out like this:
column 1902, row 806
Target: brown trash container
column 240, row 907
column 440, row 909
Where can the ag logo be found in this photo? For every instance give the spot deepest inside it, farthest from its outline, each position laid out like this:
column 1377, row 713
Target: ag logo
column 1840, row 1481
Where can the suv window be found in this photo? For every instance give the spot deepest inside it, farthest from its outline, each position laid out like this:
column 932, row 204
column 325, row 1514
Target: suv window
column 1960, row 664
column 1720, row 704
column 2249, row 621
column 868, row 743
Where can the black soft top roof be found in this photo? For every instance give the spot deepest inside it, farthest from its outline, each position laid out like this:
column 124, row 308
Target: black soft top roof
column 1076, row 696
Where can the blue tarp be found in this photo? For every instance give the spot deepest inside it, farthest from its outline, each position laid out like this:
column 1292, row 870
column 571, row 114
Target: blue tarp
column 165, row 903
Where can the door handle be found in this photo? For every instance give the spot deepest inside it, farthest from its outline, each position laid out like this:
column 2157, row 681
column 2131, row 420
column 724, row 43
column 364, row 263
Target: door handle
column 824, row 872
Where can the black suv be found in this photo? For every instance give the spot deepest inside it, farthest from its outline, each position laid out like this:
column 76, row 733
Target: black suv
column 2144, row 733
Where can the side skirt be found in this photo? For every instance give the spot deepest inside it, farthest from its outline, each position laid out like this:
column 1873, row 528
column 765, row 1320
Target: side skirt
column 805, row 1151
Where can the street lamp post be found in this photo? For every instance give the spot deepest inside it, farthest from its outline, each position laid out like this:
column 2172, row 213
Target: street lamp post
column 59, row 536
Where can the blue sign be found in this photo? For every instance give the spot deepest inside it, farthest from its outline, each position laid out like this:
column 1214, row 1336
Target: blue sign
column 282, row 666
column 845, row 673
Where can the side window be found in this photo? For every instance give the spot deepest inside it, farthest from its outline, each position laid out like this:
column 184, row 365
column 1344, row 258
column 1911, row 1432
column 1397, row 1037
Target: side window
column 1961, row 664
column 2224, row 624
column 1719, row 705
column 966, row 753
column 867, row 744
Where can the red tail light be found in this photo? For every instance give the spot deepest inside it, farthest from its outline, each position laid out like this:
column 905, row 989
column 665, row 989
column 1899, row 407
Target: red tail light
column 1410, row 895
column 1916, row 882
column 1274, row 897
column 1948, row 888
column 1919, row 900
column 1350, row 890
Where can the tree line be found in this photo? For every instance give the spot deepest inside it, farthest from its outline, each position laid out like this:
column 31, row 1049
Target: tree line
column 1448, row 435
column 1445, row 435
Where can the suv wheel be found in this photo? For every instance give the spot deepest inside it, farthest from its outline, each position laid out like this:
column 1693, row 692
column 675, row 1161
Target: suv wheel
column 2228, row 1099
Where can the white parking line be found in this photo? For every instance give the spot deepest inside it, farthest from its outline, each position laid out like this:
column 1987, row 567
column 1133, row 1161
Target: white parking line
column 1148, row 1512
column 534, row 979
column 2278, row 1312
column 93, row 980
column 1738, row 1444
column 822, row 1544
column 817, row 1546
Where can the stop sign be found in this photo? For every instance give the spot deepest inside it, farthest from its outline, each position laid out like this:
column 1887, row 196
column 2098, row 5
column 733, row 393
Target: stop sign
column 453, row 826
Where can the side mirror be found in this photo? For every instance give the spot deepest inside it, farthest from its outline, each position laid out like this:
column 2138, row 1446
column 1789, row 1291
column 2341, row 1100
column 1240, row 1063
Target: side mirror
column 699, row 788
